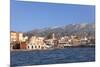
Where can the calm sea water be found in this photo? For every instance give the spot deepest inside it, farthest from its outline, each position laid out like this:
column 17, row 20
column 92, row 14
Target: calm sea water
column 66, row 55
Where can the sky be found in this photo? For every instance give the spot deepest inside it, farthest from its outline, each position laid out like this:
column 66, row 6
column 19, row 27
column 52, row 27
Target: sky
column 26, row 16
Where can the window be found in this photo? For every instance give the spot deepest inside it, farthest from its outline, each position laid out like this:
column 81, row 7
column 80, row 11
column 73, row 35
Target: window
column 28, row 46
column 32, row 46
column 39, row 46
column 35, row 46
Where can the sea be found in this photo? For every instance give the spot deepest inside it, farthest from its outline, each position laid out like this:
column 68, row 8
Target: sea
column 55, row 56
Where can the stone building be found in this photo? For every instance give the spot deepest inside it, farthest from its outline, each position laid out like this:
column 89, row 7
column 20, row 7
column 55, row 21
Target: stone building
column 36, row 43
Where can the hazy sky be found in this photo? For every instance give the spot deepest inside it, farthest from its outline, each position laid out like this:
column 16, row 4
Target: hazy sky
column 26, row 16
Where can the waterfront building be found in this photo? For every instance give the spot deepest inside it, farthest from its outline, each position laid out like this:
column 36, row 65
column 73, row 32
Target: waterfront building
column 20, row 36
column 36, row 43
column 64, row 40
column 17, row 39
column 84, row 41
column 13, row 36
column 53, row 42
column 75, row 41
column 16, row 36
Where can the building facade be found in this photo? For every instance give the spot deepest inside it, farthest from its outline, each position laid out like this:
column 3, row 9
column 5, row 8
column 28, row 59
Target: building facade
column 14, row 37
column 36, row 43
column 17, row 41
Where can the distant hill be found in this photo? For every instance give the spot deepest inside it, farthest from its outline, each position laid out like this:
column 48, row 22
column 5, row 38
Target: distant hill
column 84, row 29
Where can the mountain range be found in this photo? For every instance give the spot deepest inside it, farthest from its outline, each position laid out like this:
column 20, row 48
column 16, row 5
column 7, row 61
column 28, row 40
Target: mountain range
column 82, row 29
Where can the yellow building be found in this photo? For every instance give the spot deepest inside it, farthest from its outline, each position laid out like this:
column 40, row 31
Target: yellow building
column 14, row 37
column 17, row 37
